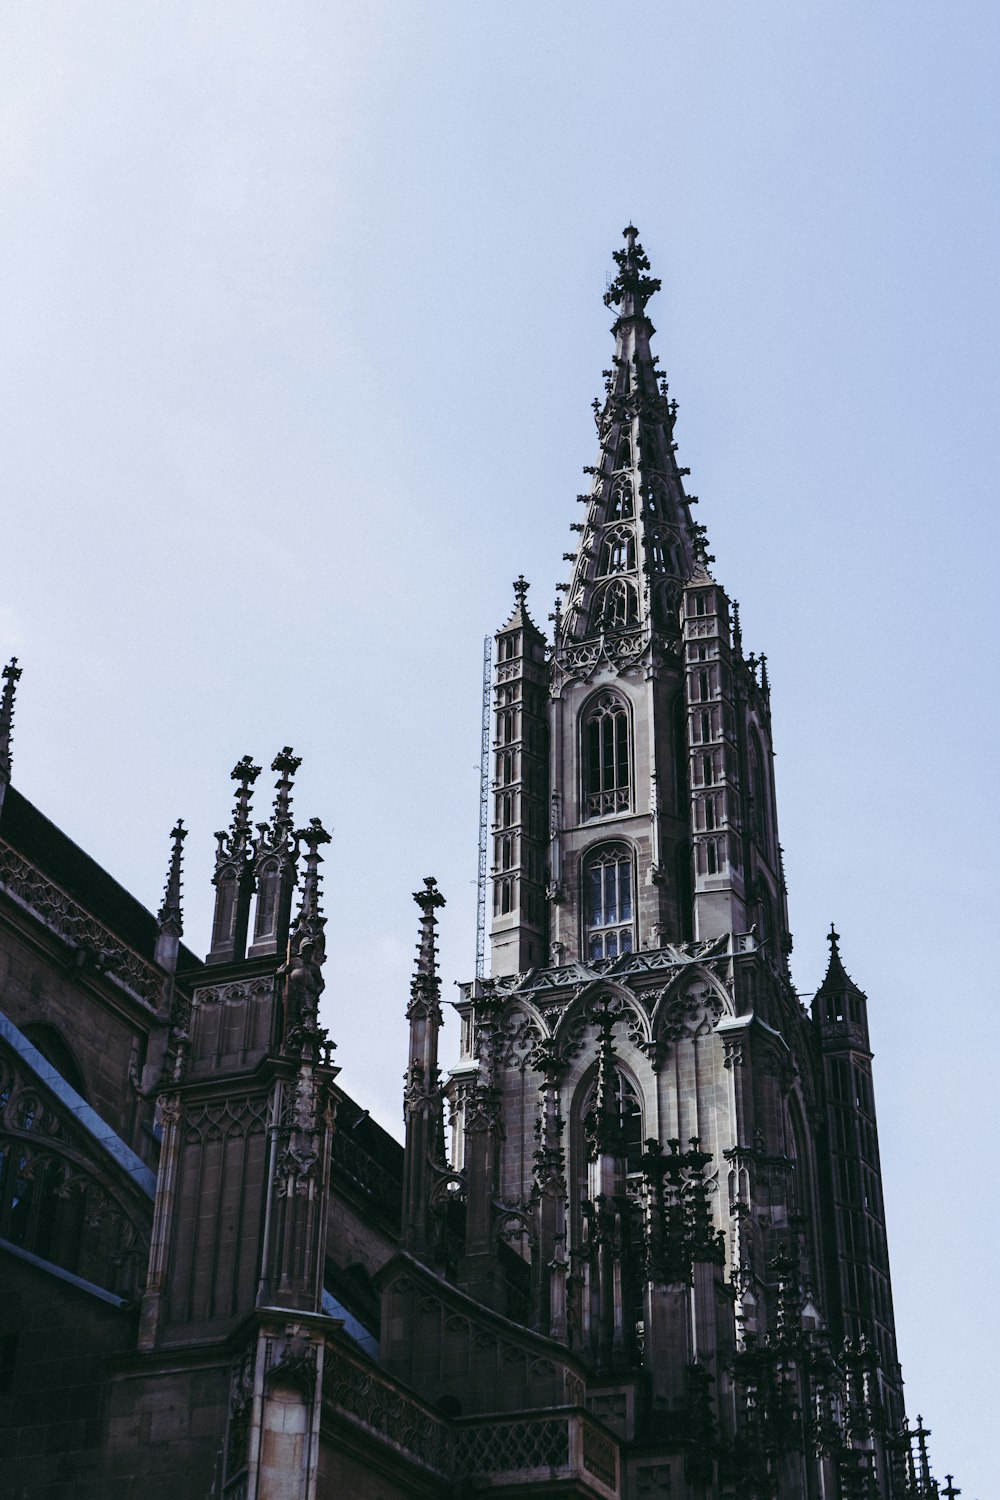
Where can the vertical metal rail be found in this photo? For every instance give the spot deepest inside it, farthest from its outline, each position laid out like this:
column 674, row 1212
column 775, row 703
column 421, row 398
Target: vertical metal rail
column 484, row 809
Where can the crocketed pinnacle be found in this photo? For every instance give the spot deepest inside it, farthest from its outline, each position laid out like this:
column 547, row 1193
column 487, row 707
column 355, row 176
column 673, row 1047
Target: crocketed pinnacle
column 604, row 1127
column 286, row 763
column 637, row 542
column 11, row 676
column 170, row 917
column 425, row 987
column 309, row 920
column 233, row 845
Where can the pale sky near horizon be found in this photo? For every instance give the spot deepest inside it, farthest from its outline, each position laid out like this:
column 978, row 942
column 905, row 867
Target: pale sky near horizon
column 302, row 323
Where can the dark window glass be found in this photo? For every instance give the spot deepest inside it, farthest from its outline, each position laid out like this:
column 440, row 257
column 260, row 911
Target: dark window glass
column 606, row 758
column 608, row 886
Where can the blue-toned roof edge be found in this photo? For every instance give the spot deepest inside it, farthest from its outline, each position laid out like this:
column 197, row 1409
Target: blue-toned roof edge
column 88, row 1119
column 62, row 1274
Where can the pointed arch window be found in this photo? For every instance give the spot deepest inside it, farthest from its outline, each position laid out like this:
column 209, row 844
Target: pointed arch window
column 655, row 498
column 624, row 457
column 618, row 552
column 616, row 606
column 267, row 901
column 663, row 551
column 629, row 1115
column 225, row 907
column 606, row 758
column 609, row 880
column 622, row 506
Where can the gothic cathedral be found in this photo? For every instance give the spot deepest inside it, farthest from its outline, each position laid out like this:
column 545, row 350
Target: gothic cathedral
column 634, row 1247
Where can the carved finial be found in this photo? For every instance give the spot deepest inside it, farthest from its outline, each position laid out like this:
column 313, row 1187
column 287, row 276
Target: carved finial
column 833, row 938
column 699, row 536
column 286, row 763
column 949, row 1492
column 426, row 984
column 737, row 629
column 169, row 918
column 11, row 675
column 521, row 587
column 313, row 836
column 632, row 287
column 921, row 1434
column 244, row 773
column 603, row 1125
column 764, row 684
column 170, row 914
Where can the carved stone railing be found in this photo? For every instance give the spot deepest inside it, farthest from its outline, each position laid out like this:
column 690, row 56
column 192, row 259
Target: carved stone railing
column 367, row 1398
column 353, row 1161
column 50, row 905
column 558, row 1445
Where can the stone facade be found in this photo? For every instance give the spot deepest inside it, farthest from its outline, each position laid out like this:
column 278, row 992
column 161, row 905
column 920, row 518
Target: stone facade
column 652, row 1262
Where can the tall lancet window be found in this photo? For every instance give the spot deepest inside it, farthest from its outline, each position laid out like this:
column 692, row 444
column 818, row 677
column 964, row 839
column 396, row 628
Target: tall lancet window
column 608, row 902
column 606, row 758
column 618, row 552
column 621, row 501
column 267, row 901
column 616, row 606
column 225, row 907
column 663, row 551
column 630, row 1117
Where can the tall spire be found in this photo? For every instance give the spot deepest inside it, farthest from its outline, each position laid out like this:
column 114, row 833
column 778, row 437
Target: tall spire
column 638, row 542
column 170, row 918
column 11, row 675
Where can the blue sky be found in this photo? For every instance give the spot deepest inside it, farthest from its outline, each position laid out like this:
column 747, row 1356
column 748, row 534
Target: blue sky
column 302, row 322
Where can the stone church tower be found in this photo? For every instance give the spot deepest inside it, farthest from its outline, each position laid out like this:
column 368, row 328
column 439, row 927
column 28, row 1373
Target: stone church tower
column 666, row 1158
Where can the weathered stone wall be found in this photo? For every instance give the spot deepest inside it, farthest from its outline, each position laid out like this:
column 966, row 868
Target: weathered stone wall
column 104, row 1034
column 56, row 1342
column 165, row 1430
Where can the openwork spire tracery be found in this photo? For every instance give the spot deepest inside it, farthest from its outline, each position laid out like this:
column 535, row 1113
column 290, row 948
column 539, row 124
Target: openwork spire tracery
column 638, row 543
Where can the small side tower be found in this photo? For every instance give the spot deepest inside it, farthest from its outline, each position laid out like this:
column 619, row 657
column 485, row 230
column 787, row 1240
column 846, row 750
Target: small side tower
column 855, row 1236
column 519, row 932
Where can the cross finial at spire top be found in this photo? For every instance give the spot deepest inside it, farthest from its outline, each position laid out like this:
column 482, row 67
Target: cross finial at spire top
column 632, row 287
column 521, row 587
column 833, row 938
